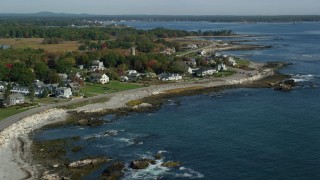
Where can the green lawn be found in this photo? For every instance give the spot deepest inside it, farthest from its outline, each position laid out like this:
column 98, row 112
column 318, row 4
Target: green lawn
column 242, row 63
column 224, row 73
column 91, row 89
column 6, row 112
column 50, row 100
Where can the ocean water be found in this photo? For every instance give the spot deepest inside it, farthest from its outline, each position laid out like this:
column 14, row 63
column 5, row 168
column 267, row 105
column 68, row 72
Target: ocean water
column 233, row 134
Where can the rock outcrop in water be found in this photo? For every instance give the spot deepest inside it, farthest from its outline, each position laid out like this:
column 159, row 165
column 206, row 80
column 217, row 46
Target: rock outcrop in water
column 141, row 164
column 171, row 164
column 113, row 172
column 90, row 122
column 287, row 85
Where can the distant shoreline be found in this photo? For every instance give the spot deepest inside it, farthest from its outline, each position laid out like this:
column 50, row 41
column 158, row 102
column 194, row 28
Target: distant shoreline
column 167, row 18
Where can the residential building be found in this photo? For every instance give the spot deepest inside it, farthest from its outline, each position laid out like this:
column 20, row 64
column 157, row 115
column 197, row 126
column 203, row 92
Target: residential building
column 232, row 61
column 124, row 78
column 133, row 75
column 192, row 62
column 169, row 51
column 13, row 99
column 205, row 72
column 192, row 71
column 97, row 65
column 80, row 67
column 222, row 67
column 99, row 78
column 63, row 92
column 169, row 77
column 3, row 86
column 63, row 76
column 192, row 46
column 16, row 89
column 74, row 86
column 202, row 53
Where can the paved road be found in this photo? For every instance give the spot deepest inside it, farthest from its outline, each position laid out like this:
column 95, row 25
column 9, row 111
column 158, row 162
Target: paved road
column 17, row 117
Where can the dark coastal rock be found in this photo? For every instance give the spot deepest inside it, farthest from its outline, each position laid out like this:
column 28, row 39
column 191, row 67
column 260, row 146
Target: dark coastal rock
column 113, row 172
column 141, row 164
column 158, row 156
column 90, row 122
column 171, row 164
column 111, row 133
column 287, row 85
column 76, row 149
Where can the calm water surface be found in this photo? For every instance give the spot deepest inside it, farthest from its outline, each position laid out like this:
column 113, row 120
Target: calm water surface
column 234, row 134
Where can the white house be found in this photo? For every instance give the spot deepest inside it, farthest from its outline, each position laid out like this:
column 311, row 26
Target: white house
column 169, row 51
column 3, row 86
column 203, row 53
column 124, row 78
column 205, row 72
column 12, row 100
column 20, row 89
column 222, row 67
column 63, row 92
column 133, row 75
column 63, row 76
column 169, row 77
column 129, row 72
column 232, row 61
column 192, row 46
column 97, row 65
column 99, row 78
column 192, row 70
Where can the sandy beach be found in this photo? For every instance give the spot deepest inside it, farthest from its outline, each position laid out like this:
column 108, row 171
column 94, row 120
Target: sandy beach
column 14, row 142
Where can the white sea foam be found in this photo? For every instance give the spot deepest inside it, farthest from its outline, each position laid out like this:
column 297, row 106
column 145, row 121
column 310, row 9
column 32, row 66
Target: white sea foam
column 189, row 173
column 153, row 171
column 303, row 77
column 156, row 171
column 128, row 141
column 102, row 134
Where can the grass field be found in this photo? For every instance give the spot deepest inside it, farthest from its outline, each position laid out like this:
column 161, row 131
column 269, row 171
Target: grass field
column 91, row 89
column 224, row 73
column 37, row 43
column 6, row 112
column 242, row 63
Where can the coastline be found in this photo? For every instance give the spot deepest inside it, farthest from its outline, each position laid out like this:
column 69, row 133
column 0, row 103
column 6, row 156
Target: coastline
column 14, row 141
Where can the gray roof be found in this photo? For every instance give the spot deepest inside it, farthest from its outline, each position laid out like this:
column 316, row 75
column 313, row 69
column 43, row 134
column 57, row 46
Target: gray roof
column 74, row 84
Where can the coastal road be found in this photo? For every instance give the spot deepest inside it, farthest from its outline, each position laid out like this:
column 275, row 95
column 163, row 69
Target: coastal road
column 17, row 117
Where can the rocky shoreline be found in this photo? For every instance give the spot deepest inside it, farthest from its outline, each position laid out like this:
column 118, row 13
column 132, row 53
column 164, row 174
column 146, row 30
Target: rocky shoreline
column 14, row 142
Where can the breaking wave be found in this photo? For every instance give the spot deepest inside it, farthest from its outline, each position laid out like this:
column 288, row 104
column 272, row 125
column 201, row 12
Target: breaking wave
column 304, row 77
column 102, row 134
column 157, row 171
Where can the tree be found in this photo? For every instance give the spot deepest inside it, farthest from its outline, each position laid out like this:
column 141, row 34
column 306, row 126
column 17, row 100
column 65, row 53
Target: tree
column 21, row 74
column 52, row 78
column 178, row 67
column 41, row 70
column 45, row 93
column 7, row 92
column 64, row 65
column 31, row 92
column 3, row 72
